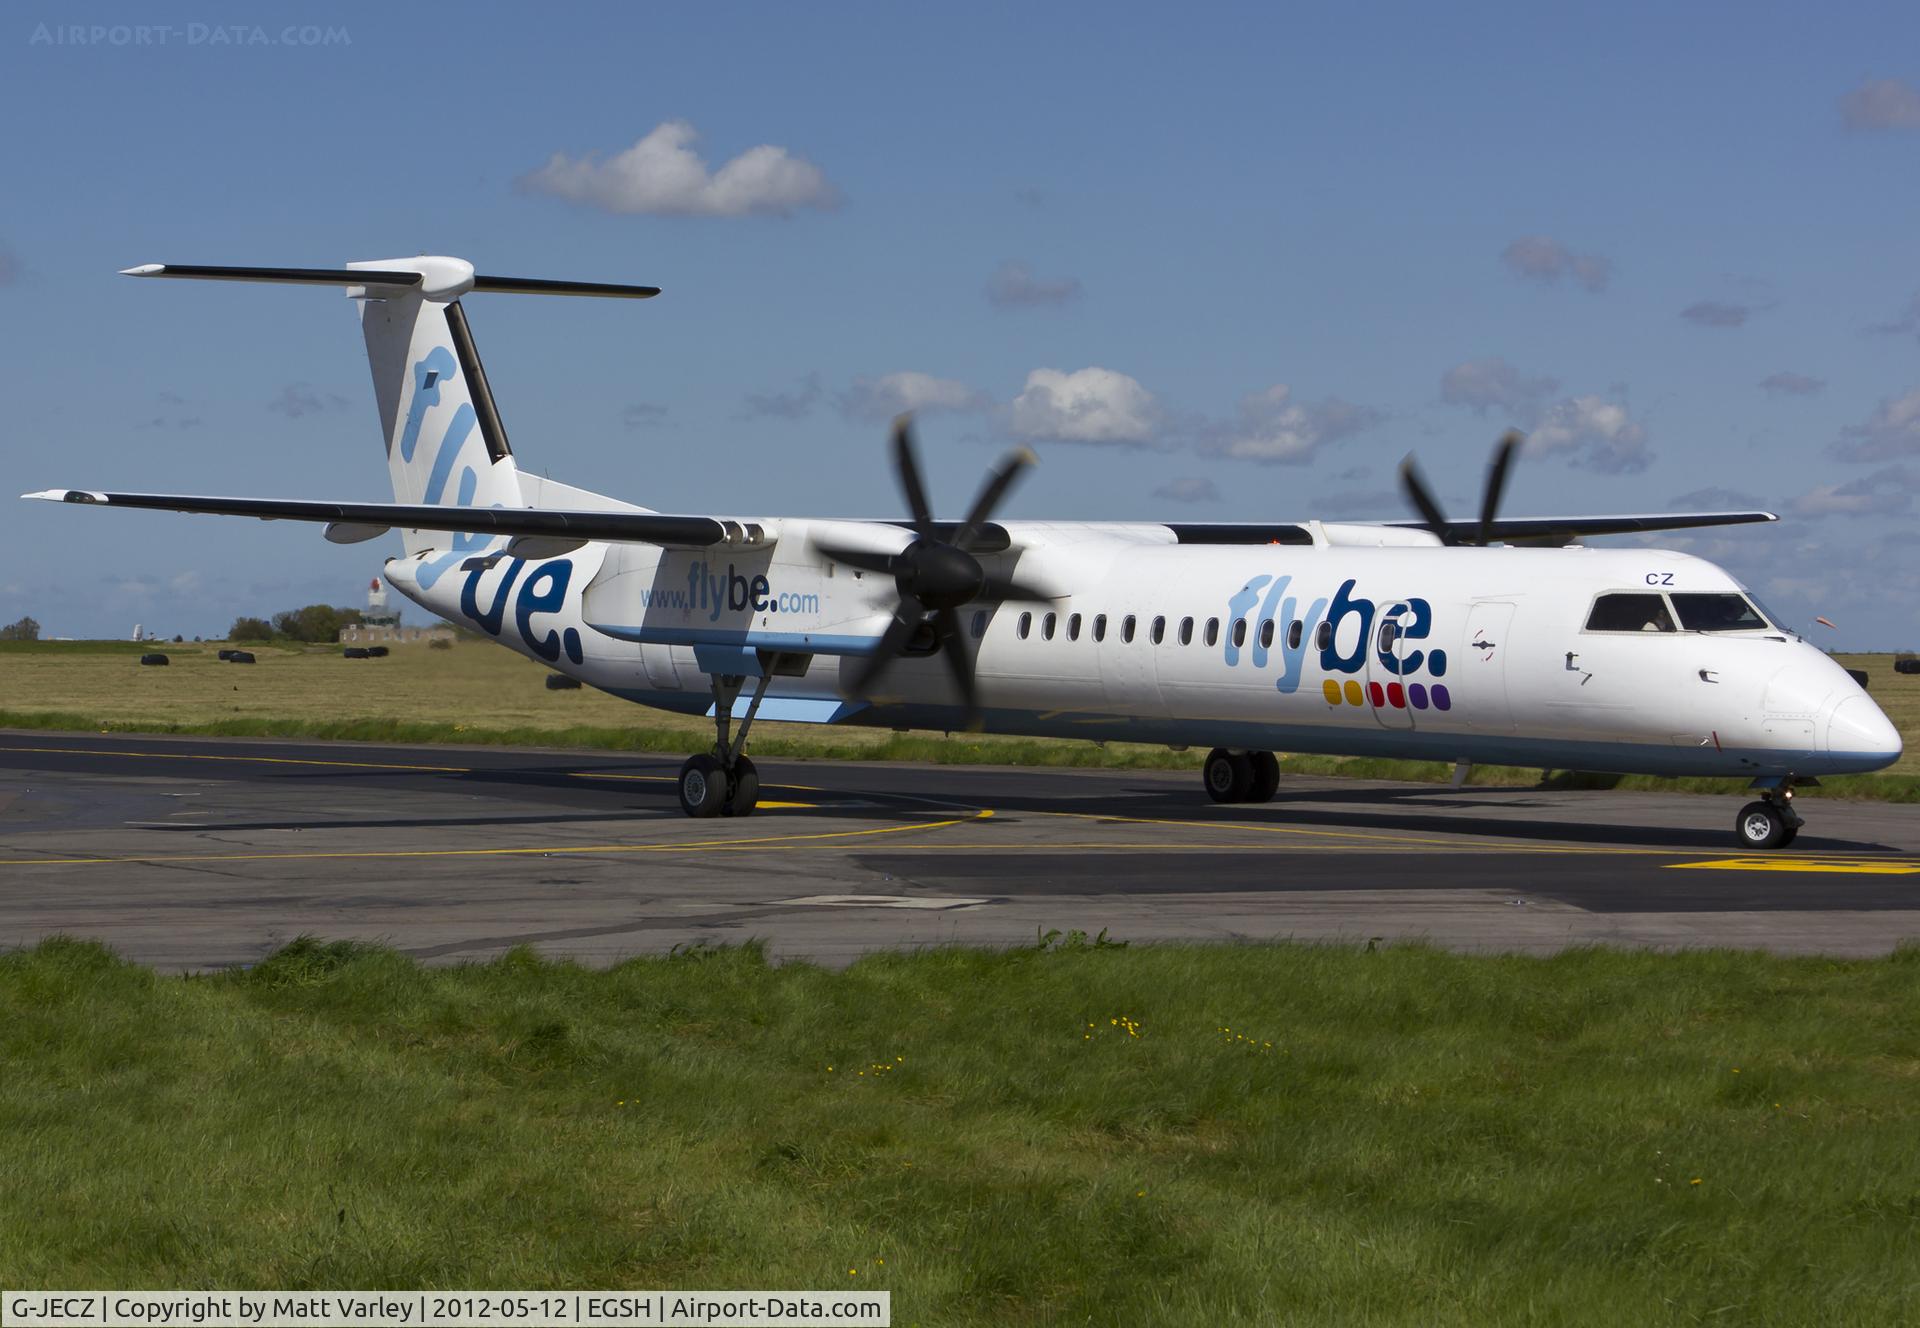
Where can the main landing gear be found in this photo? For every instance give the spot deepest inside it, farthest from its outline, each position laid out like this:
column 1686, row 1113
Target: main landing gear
column 723, row 782
column 1241, row 776
column 1771, row 822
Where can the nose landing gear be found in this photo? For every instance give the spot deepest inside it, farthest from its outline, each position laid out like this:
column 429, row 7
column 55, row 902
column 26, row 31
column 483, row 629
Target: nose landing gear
column 1241, row 776
column 1771, row 822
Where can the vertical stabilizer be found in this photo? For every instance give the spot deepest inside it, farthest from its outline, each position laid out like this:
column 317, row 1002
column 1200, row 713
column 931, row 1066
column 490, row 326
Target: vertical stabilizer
column 445, row 443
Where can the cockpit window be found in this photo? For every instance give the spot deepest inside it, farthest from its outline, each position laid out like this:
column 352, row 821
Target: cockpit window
column 1718, row 613
column 1627, row 612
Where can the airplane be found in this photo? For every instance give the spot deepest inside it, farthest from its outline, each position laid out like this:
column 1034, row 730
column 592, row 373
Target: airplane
column 1503, row 640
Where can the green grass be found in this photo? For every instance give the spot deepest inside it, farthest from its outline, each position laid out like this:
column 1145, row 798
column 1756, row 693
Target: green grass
column 479, row 693
column 1429, row 1139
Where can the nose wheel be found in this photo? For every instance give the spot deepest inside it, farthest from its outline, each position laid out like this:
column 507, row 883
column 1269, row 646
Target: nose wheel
column 1769, row 823
column 1240, row 776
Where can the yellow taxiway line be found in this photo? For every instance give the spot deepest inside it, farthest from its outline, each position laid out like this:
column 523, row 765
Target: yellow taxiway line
column 1849, row 866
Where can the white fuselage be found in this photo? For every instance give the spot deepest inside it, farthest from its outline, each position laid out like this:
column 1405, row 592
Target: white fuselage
column 1489, row 657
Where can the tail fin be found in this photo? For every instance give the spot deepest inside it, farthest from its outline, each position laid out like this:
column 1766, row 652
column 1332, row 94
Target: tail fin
column 445, row 443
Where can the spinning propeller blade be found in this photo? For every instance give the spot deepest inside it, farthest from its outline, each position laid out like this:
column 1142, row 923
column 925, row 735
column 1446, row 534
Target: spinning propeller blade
column 934, row 577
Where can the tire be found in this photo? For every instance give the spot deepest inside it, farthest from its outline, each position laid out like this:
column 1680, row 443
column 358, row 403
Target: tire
column 1228, row 777
column 226, row 655
column 744, row 795
column 1760, row 826
column 153, row 659
column 1266, row 776
column 354, row 652
column 1793, row 833
column 703, row 786
column 376, row 652
column 240, row 657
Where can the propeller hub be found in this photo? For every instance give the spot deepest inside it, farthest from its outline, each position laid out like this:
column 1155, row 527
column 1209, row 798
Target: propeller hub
column 939, row 575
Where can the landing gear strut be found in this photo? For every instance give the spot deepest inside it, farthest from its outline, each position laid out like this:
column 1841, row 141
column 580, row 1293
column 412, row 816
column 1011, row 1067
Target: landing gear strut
column 1771, row 822
column 1241, row 776
column 723, row 782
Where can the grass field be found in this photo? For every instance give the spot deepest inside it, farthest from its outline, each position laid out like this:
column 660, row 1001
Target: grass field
column 1062, row 1134
column 477, row 692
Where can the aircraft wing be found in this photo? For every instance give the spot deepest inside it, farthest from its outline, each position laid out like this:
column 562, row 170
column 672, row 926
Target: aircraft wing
column 352, row 522
column 1572, row 527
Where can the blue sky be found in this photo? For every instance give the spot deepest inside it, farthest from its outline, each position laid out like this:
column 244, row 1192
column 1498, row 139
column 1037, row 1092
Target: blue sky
column 1213, row 262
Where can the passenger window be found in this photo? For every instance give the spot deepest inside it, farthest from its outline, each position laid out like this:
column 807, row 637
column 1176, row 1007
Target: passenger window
column 1159, row 630
column 1026, row 625
column 1186, row 631
column 1073, row 627
column 1630, row 612
column 1295, row 630
column 1046, row 627
column 1099, row 626
column 1266, row 634
column 1323, row 638
column 1239, row 631
column 1213, row 631
column 1126, row 629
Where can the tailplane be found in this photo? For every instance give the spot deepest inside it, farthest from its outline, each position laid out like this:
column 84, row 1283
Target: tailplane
column 446, row 445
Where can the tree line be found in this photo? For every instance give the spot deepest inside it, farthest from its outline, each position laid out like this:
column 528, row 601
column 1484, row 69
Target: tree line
column 316, row 622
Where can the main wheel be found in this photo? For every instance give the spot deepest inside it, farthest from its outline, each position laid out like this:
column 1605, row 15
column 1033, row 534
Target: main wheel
column 745, row 793
column 1266, row 776
column 703, row 786
column 1228, row 776
column 1760, row 825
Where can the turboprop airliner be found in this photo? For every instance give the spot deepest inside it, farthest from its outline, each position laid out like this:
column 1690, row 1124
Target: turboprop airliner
column 1491, row 640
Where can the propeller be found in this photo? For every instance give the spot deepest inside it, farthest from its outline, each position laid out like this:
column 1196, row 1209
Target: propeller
column 1421, row 495
column 935, row 576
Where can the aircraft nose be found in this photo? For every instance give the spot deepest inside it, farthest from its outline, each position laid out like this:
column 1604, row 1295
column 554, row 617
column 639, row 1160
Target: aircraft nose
column 1859, row 728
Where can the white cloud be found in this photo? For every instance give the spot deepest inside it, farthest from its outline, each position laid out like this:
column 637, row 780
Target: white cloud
column 643, row 415
column 1882, row 103
column 1189, row 489
column 1013, row 285
column 1714, row 499
column 297, row 399
column 1882, row 493
column 1544, row 259
column 1787, row 383
column 1091, row 405
column 908, row 390
column 1273, row 427
column 1715, row 313
column 662, row 175
column 786, row 405
column 1492, row 382
column 1909, row 321
column 1595, row 433
column 1891, row 431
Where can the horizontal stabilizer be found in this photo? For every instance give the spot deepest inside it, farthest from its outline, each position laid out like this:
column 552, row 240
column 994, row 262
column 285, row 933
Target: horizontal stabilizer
column 688, row 532
column 375, row 276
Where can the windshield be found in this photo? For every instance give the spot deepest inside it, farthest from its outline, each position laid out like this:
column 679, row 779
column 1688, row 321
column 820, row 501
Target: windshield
column 1718, row 613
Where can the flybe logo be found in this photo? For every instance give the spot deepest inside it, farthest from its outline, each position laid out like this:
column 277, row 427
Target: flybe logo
column 1397, row 654
column 714, row 591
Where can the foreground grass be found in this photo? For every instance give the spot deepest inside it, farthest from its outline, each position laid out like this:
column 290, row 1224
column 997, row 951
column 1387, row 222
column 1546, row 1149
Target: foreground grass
column 1286, row 1134
column 479, row 693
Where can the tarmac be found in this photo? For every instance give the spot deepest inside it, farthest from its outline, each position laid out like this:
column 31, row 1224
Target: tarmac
column 194, row 854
